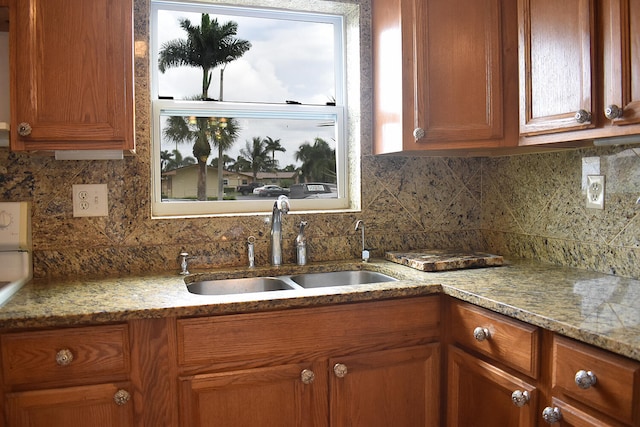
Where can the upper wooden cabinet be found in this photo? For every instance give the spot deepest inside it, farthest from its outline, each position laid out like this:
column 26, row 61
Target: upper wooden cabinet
column 71, row 74
column 579, row 69
column 444, row 74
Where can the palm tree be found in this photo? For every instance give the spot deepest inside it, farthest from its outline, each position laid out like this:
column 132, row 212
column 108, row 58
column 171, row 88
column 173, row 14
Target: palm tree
column 318, row 161
column 273, row 145
column 200, row 131
column 206, row 46
column 174, row 160
column 256, row 153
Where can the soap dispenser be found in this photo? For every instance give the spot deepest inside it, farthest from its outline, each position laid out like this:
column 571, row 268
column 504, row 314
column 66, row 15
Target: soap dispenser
column 301, row 245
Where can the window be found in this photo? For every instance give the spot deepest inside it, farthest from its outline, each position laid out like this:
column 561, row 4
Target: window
column 263, row 101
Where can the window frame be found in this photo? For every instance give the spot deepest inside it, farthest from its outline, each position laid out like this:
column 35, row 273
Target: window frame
column 347, row 124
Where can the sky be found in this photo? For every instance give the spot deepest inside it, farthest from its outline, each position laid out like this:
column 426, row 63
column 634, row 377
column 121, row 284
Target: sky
column 288, row 60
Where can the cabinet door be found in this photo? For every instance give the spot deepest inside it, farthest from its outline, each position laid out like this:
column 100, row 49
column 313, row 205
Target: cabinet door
column 480, row 394
column 621, row 55
column 71, row 74
column 556, row 55
column 444, row 74
column 389, row 388
column 105, row 405
column 267, row 397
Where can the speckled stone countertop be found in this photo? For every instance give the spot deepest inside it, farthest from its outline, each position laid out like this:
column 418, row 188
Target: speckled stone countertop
column 592, row 307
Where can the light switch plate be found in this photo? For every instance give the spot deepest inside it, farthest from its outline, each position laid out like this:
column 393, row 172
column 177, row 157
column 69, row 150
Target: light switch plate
column 90, row 200
column 595, row 192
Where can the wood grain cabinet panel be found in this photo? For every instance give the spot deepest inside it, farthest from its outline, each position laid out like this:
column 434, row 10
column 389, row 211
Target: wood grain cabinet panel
column 75, row 406
column 578, row 56
column 616, row 388
column 508, row 341
column 65, row 356
column 71, row 74
column 480, row 394
column 363, row 364
column 398, row 387
column 621, row 59
column 445, row 74
column 557, row 59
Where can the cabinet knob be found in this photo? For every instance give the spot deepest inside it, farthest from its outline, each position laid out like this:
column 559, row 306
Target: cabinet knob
column 481, row 334
column 613, row 112
column 551, row 415
column 520, row 398
column 340, row 370
column 307, row 376
column 64, row 357
column 24, row 129
column 418, row 133
column 585, row 379
column 583, row 116
column 121, row 397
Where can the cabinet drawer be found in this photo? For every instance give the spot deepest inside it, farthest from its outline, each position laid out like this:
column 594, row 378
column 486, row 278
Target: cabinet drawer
column 68, row 356
column 508, row 341
column 297, row 334
column 617, row 379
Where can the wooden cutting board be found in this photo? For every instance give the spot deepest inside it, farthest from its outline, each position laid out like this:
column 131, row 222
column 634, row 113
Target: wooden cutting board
column 443, row 260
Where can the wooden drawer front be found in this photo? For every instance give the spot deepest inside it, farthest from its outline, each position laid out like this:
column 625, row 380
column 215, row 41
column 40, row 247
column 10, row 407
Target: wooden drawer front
column 98, row 353
column 510, row 342
column 617, row 387
column 303, row 333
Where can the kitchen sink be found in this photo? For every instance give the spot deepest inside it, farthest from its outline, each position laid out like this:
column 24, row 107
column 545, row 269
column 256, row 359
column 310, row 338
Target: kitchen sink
column 340, row 278
column 238, row 286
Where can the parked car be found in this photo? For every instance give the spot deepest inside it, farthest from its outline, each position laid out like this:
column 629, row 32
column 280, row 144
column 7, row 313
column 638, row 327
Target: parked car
column 270, row 191
column 314, row 190
column 247, row 188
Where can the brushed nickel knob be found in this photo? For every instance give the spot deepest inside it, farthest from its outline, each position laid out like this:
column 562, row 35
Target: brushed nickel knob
column 481, row 334
column 24, row 129
column 583, row 116
column 418, row 133
column 551, row 415
column 613, row 112
column 121, row 397
column 340, row 370
column 520, row 398
column 585, row 379
column 64, row 357
column 307, row 376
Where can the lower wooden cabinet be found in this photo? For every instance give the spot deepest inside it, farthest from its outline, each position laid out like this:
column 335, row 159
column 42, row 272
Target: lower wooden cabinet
column 104, row 405
column 67, row 377
column 277, row 396
column 389, row 388
column 481, row 394
column 365, row 364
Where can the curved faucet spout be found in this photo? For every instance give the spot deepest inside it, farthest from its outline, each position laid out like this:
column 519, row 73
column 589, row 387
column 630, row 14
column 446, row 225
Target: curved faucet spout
column 280, row 206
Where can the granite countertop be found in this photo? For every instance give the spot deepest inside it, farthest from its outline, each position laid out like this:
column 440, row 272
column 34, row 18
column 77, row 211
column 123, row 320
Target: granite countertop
column 595, row 308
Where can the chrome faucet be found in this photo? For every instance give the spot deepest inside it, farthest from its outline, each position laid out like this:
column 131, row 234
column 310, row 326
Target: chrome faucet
column 281, row 206
column 365, row 252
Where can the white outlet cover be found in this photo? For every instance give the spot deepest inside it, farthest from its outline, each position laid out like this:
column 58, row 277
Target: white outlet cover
column 595, row 192
column 90, row 200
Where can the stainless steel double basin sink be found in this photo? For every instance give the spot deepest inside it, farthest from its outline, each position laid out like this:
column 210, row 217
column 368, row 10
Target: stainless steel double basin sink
column 288, row 282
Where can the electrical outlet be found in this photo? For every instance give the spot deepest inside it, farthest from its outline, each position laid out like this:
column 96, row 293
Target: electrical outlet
column 595, row 192
column 90, row 200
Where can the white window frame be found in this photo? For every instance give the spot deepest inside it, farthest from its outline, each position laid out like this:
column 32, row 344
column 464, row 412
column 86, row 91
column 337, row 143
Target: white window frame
column 347, row 135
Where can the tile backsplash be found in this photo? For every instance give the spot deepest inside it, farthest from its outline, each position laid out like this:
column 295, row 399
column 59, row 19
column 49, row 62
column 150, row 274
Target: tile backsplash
column 529, row 205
